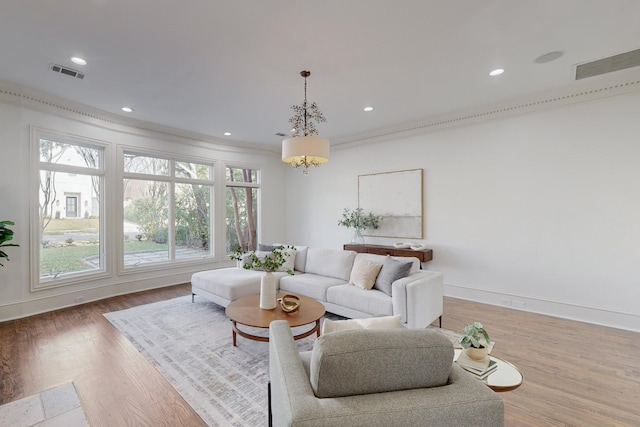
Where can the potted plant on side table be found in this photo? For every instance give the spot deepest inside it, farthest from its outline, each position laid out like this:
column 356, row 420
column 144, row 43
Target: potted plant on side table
column 475, row 341
column 270, row 262
column 357, row 220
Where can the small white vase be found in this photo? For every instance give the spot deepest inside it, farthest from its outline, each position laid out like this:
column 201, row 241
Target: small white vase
column 268, row 291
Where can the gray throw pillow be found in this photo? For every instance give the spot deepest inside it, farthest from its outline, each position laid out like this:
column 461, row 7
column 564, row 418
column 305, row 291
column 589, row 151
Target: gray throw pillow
column 267, row 248
column 391, row 271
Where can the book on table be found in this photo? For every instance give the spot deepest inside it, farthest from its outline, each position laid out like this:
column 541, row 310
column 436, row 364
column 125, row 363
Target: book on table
column 479, row 368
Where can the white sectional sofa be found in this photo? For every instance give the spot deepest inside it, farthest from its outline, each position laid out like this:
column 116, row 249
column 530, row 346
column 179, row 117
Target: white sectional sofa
column 324, row 274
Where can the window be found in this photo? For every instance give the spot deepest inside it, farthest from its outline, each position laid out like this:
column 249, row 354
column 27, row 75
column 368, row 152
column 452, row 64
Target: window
column 70, row 243
column 166, row 209
column 242, row 208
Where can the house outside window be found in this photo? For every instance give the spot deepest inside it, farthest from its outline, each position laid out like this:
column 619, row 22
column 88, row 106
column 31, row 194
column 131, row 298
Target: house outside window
column 68, row 242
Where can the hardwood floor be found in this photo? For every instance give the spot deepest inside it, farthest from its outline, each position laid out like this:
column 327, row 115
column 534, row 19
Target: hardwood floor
column 576, row 374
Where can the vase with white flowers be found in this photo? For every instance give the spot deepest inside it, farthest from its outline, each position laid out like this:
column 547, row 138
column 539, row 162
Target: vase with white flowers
column 359, row 221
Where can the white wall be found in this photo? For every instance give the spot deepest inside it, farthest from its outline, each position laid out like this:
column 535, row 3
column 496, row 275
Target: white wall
column 17, row 114
column 538, row 211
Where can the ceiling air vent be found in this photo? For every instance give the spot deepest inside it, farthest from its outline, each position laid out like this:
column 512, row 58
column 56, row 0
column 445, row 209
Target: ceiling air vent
column 608, row 65
column 65, row 70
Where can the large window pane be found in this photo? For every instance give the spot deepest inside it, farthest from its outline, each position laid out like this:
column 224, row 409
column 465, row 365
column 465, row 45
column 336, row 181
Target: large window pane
column 241, row 208
column 68, row 210
column 146, row 216
column 193, row 211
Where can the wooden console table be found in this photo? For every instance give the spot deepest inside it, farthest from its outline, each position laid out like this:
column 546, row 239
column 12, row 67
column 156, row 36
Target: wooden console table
column 423, row 255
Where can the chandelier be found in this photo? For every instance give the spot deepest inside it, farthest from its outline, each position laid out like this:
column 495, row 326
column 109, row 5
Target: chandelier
column 304, row 148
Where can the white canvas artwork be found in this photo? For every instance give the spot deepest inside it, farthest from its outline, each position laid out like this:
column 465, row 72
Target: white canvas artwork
column 397, row 198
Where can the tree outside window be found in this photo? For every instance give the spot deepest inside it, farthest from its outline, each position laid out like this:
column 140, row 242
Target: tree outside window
column 241, row 208
column 167, row 209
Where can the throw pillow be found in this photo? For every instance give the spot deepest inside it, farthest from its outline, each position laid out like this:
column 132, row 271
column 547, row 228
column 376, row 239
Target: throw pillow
column 364, row 274
column 382, row 322
column 290, row 256
column 391, row 271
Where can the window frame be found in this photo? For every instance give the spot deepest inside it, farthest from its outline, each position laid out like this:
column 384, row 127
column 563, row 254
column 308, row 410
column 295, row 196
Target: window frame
column 239, row 184
column 36, row 167
column 171, row 179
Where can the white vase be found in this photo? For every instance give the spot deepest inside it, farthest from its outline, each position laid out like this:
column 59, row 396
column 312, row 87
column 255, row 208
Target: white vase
column 268, row 291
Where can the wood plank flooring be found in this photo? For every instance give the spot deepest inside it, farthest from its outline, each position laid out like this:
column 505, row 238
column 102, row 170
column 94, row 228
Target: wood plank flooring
column 576, row 374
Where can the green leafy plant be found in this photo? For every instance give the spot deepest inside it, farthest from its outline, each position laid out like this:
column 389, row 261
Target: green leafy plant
column 6, row 234
column 358, row 219
column 268, row 262
column 474, row 336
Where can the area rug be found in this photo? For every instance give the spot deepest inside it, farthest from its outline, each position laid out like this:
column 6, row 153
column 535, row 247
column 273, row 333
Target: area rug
column 191, row 346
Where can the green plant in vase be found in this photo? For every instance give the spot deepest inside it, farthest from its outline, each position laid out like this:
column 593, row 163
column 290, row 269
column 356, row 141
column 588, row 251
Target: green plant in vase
column 475, row 341
column 6, row 234
column 359, row 221
column 268, row 262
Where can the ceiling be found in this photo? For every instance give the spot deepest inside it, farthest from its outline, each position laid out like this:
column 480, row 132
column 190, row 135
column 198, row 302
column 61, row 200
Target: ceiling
column 212, row 66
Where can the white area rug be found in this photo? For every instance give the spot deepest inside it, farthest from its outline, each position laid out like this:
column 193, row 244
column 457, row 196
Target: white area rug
column 190, row 344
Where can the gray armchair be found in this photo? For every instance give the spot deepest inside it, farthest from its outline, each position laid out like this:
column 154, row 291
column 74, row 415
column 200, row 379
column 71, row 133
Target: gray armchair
column 373, row 377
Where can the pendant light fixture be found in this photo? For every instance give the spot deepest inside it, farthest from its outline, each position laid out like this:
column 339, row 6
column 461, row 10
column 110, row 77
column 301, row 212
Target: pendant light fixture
column 304, row 148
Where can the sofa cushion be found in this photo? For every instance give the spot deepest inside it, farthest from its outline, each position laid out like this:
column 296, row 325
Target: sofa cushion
column 330, row 262
column 382, row 322
column 310, row 285
column 301, row 258
column 415, row 262
column 229, row 283
column 391, row 271
column 372, row 301
column 368, row 361
column 364, row 274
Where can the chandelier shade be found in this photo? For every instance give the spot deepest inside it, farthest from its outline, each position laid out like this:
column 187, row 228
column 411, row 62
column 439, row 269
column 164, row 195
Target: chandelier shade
column 304, row 148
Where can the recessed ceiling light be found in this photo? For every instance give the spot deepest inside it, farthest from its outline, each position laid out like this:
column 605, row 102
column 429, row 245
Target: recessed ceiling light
column 548, row 57
column 227, row 134
column 127, row 109
column 368, row 108
column 496, row 72
column 79, row 61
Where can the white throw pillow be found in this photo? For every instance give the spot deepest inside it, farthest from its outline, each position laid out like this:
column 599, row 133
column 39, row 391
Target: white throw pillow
column 382, row 322
column 364, row 274
column 290, row 256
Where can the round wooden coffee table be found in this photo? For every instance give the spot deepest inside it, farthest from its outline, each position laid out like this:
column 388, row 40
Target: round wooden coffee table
column 247, row 311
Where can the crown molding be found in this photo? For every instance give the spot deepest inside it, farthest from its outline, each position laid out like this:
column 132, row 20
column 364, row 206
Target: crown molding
column 613, row 84
column 578, row 92
column 34, row 99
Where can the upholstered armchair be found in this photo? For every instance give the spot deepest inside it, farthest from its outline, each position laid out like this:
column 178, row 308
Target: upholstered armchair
column 373, row 377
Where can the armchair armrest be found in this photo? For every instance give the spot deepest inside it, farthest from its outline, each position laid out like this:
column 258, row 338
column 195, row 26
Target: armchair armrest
column 418, row 298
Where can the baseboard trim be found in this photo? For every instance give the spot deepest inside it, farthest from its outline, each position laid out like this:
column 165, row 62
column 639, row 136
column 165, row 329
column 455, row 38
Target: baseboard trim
column 594, row 315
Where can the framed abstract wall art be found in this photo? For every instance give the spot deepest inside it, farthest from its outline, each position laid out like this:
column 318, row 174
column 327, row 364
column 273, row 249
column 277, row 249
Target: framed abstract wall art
column 397, row 198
